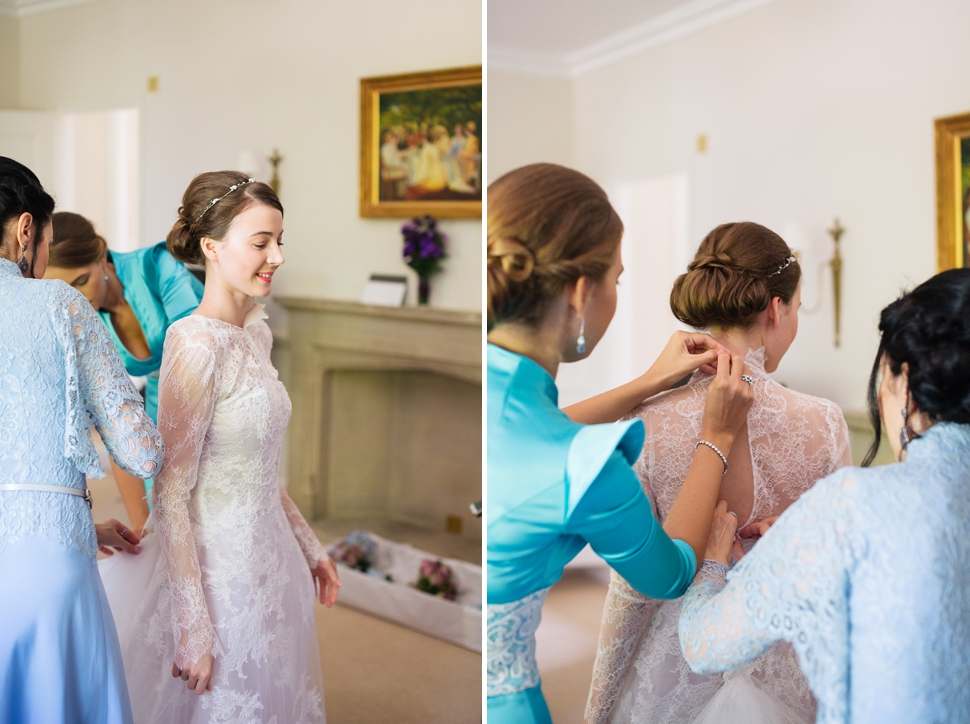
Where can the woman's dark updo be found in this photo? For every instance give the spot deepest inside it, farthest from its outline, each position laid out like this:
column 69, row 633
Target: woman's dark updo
column 734, row 276
column 21, row 193
column 184, row 240
column 929, row 331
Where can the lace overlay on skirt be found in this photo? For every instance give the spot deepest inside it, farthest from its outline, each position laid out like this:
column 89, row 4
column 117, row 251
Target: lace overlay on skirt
column 512, row 644
column 640, row 674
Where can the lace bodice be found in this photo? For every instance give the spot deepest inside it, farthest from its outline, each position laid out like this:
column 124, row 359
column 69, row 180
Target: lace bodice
column 59, row 374
column 868, row 577
column 512, row 644
column 218, row 505
column 790, row 440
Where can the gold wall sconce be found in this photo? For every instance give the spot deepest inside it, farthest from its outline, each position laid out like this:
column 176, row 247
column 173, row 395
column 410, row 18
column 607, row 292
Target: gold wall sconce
column 275, row 160
column 836, row 263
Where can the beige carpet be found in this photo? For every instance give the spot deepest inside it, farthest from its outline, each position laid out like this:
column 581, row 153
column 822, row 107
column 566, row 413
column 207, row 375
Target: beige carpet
column 376, row 672
column 566, row 640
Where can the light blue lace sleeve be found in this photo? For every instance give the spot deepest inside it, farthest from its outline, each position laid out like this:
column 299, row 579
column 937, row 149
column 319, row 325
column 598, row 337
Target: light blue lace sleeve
column 99, row 392
column 792, row 586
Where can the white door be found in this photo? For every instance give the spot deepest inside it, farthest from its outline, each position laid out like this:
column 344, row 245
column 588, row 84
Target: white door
column 30, row 137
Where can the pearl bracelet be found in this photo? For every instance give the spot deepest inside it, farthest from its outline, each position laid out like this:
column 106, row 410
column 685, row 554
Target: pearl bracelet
column 713, row 447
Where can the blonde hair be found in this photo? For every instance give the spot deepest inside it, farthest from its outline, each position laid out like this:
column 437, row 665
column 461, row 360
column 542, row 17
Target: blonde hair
column 547, row 226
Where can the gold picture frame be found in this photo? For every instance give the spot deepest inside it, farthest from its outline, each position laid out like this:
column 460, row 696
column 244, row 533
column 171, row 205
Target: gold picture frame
column 952, row 192
column 420, row 144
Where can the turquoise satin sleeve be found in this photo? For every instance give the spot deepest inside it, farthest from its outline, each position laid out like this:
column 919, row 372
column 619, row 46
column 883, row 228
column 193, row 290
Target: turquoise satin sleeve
column 615, row 517
column 178, row 289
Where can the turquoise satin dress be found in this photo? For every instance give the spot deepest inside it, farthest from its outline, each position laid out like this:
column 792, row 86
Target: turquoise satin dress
column 555, row 485
column 160, row 290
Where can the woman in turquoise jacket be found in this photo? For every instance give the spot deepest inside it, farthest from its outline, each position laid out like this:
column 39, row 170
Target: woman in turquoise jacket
column 138, row 295
column 554, row 484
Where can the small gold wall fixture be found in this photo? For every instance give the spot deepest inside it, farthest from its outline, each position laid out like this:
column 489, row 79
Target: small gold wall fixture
column 275, row 160
column 702, row 143
column 153, row 84
column 453, row 524
column 836, row 263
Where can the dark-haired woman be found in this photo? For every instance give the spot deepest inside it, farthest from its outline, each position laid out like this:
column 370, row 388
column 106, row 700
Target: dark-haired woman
column 138, row 294
column 867, row 575
column 555, row 485
column 228, row 603
column 59, row 656
column 744, row 286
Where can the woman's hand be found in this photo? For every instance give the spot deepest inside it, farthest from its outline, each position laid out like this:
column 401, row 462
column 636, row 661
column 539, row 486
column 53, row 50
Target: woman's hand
column 684, row 353
column 728, row 400
column 720, row 543
column 758, row 528
column 198, row 675
column 326, row 581
column 112, row 536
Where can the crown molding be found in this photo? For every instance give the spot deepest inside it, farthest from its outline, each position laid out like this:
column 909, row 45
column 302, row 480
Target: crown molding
column 675, row 24
column 20, row 8
column 532, row 62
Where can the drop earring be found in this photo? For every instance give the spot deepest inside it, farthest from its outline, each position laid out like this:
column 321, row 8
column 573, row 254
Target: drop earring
column 22, row 263
column 904, row 433
column 581, row 340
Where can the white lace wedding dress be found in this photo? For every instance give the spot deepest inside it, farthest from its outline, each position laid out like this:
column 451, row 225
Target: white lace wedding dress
column 227, row 568
column 640, row 676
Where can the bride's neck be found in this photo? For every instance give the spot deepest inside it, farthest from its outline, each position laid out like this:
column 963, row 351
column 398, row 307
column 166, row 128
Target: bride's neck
column 739, row 341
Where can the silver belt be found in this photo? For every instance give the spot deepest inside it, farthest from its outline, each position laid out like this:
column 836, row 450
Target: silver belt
column 85, row 493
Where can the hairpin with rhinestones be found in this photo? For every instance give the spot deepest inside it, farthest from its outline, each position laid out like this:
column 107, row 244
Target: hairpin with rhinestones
column 216, row 201
column 784, row 266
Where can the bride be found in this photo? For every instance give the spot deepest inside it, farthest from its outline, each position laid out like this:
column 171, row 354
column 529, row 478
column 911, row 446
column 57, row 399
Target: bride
column 228, row 582
column 743, row 285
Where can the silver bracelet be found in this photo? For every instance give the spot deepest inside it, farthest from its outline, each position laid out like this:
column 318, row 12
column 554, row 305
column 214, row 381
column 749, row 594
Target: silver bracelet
column 713, row 447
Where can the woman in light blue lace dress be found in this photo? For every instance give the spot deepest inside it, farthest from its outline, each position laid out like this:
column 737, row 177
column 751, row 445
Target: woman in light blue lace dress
column 868, row 574
column 59, row 654
column 554, row 484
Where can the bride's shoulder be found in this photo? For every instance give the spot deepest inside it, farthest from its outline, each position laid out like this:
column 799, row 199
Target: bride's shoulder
column 194, row 330
column 684, row 398
column 815, row 409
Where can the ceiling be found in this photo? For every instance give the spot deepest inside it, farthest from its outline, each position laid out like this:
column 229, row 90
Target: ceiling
column 571, row 37
column 564, row 26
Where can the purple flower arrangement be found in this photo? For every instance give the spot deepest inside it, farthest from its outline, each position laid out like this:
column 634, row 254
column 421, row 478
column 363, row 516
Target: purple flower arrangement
column 437, row 579
column 424, row 248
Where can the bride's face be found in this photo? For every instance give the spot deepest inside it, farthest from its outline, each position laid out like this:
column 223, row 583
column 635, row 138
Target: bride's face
column 781, row 333
column 248, row 256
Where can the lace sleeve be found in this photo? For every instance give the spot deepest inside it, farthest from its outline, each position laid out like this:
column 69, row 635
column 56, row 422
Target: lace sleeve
column 626, row 615
column 312, row 550
column 792, row 586
column 99, row 391
column 187, row 395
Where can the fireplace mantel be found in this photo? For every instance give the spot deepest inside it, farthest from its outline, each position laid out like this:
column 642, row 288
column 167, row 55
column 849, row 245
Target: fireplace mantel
column 329, row 337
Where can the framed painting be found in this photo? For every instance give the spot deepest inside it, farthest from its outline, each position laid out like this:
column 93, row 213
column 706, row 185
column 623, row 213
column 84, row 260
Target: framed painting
column 421, row 144
column 953, row 192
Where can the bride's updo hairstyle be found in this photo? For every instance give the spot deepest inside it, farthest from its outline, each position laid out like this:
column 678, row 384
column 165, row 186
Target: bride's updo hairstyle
column 547, row 226
column 199, row 218
column 928, row 330
column 736, row 272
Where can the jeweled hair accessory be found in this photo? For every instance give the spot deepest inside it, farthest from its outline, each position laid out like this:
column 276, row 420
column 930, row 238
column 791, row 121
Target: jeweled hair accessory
column 216, row 201
column 784, row 266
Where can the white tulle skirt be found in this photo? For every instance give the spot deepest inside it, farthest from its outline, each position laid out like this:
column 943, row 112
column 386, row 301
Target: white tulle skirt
column 270, row 671
column 742, row 701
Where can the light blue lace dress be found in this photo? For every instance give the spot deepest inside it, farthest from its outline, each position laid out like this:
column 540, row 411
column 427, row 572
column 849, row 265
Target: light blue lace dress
column 59, row 372
column 868, row 576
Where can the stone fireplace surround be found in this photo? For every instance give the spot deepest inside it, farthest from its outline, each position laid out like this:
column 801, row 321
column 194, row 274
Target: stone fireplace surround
column 387, row 412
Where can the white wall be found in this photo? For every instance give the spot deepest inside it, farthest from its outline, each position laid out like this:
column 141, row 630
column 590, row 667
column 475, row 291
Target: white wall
column 250, row 75
column 812, row 108
column 531, row 121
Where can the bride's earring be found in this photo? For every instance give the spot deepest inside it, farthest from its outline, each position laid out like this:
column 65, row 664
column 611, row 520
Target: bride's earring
column 904, row 433
column 581, row 340
column 22, row 263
